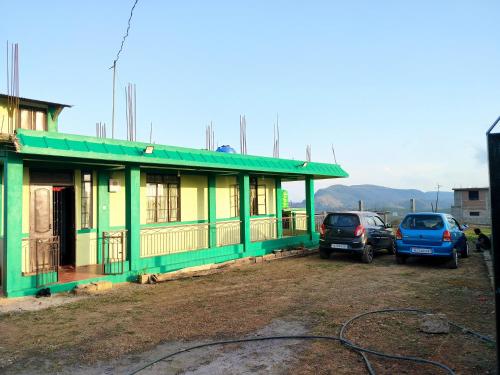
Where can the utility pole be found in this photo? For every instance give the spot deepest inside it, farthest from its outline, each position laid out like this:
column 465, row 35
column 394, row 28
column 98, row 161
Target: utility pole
column 437, row 196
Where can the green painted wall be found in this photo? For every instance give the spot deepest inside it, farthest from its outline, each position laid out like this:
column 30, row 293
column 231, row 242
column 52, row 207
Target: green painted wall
column 133, row 215
column 13, row 176
column 244, row 182
column 16, row 285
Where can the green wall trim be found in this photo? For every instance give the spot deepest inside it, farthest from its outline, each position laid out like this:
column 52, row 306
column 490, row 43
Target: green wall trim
column 212, row 210
column 13, row 213
column 311, row 227
column 102, row 209
column 279, row 208
column 245, row 236
column 133, row 215
column 86, row 230
column 52, row 123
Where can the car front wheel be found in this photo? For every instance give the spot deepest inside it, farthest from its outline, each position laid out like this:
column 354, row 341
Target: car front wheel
column 465, row 251
column 367, row 256
column 453, row 261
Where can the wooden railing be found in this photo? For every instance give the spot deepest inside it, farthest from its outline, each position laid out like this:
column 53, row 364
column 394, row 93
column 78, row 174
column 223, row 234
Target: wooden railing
column 228, row 232
column 262, row 229
column 173, row 239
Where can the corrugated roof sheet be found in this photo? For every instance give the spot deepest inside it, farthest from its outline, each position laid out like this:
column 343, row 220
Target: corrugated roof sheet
column 92, row 148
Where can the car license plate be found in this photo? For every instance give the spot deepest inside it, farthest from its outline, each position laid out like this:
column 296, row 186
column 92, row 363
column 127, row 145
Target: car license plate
column 419, row 250
column 339, row 246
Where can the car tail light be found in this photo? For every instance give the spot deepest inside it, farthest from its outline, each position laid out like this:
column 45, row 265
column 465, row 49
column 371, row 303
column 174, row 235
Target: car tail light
column 359, row 230
column 322, row 230
column 446, row 236
column 399, row 235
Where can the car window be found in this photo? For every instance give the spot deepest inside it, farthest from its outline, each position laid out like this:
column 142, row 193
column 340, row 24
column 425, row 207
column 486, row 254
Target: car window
column 369, row 221
column 452, row 222
column 423, row 222
column 342, row 220
column 378, row 221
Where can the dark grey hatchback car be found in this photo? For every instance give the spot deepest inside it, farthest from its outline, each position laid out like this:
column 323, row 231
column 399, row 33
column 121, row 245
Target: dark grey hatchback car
column 356, row 232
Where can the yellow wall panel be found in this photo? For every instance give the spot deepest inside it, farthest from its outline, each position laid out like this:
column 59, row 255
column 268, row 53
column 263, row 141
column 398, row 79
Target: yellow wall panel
column 117, row 201
column 223, row 195
column 86, row 249
column 194, row 198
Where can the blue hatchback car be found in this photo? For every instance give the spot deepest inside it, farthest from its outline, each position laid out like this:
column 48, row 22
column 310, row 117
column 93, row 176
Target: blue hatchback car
column 431, row 234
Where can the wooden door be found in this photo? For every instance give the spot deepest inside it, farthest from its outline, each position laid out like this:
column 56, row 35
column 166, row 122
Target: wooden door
column 41, row 231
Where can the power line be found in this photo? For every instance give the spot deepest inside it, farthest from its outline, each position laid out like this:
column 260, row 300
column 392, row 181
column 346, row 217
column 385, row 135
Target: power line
column 114, row 67
column 126, row 33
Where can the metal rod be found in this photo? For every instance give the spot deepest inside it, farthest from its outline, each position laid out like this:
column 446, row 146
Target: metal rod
column 113, row 106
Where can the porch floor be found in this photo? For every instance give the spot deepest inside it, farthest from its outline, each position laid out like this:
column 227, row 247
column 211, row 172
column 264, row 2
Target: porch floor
column 72, row 273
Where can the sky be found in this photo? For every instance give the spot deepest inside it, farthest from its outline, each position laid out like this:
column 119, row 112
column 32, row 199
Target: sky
column 404, row 90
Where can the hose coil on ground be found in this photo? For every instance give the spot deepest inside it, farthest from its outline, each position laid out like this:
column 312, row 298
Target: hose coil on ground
column 341, row 338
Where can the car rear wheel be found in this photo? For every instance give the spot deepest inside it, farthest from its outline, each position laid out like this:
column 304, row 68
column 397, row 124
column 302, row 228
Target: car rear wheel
column 367, row 256
column 465, row 251
column 400, row 259
column 392, row 248
column 453, row 261
column 324, row 253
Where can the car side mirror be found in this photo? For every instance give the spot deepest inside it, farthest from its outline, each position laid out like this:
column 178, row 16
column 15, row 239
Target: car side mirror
column 387, row 225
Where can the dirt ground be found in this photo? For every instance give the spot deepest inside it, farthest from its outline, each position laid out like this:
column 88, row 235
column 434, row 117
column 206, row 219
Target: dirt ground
column 119, row 331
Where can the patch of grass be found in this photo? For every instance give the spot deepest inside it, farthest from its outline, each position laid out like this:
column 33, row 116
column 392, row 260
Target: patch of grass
column 237, row 302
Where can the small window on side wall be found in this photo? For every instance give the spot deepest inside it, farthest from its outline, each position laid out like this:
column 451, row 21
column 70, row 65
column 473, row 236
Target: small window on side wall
column 473, row 195
column 474, row 213
column 86, row 200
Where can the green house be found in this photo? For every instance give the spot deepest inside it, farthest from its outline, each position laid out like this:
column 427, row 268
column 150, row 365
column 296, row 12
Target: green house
column 77, row 209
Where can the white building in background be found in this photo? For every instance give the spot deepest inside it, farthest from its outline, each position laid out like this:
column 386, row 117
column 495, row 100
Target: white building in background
column 472, row 205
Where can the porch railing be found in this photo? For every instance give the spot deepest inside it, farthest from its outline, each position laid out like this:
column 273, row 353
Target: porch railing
column 295, row 225
column 173, row 239
column 262, row 229
column 40, row 257
column 114, row 252
column 228, row 232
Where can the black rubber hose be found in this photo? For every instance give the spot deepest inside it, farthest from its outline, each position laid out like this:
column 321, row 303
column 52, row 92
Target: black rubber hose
column 349, row 344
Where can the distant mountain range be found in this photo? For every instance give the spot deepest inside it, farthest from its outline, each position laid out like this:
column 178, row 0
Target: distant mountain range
column 377, row 198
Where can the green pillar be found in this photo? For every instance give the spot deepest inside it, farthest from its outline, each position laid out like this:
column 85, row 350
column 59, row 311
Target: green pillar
column 102, row 209
column 212, row 210
column 52, row 123
column 244, row 183
column 310, row 206
column 13, row 222
column 279, row 208
column 133, row 215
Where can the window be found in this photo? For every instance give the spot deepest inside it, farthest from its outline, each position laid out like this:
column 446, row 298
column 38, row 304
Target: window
column 163, row 198
column 378, row 221
column 342, row 220
column 474, row 213
column 370, row 221
column 453, row 223
column 86, row 200
column 423, row 222
column 258, row 201
column 234, row 197
column 33, row 118
column 473, row 195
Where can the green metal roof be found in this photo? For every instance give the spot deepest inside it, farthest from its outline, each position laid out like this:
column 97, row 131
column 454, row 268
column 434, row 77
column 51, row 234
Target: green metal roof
column 53, row 144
